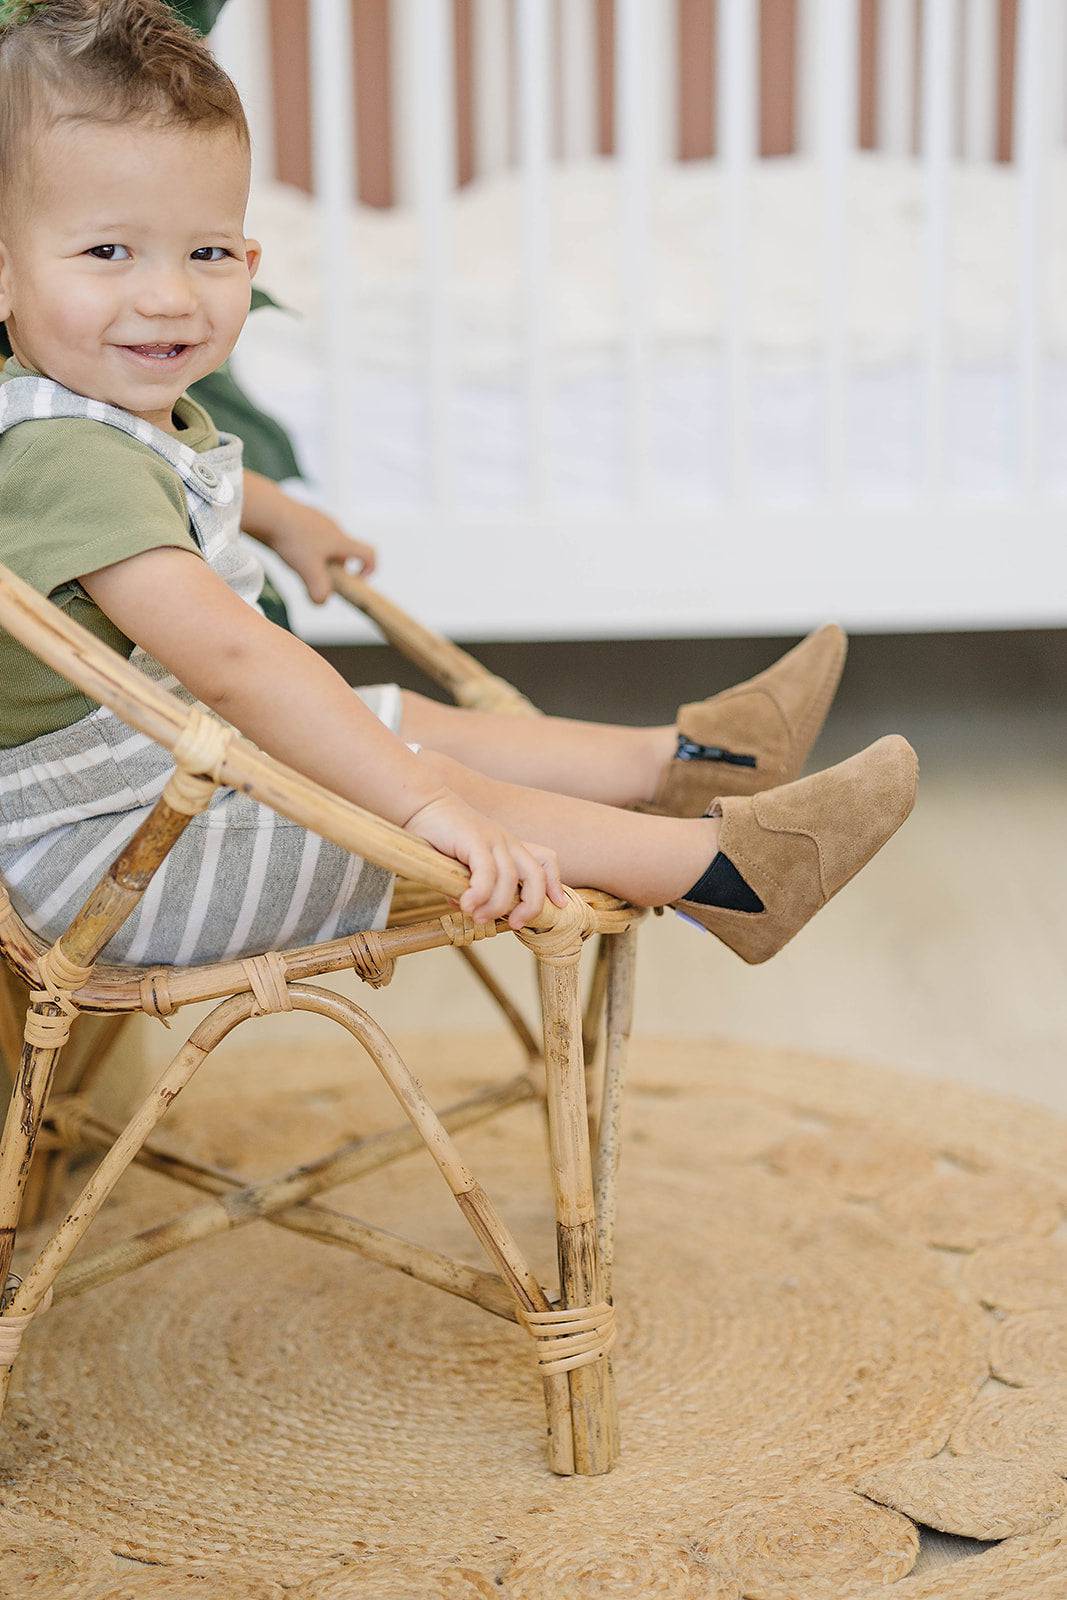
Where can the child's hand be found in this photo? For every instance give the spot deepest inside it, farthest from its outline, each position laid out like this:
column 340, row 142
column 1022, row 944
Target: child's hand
column 311, row 542
column 499, row 864
column 306, row 539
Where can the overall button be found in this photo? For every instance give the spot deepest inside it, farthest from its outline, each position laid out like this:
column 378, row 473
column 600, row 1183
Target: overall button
column 207, row 475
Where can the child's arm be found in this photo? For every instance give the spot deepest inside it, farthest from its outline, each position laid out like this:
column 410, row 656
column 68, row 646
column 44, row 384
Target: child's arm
column 292, row 704
column 306, row 539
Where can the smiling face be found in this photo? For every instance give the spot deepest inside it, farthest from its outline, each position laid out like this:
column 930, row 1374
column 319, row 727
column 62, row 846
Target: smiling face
column 124, row 272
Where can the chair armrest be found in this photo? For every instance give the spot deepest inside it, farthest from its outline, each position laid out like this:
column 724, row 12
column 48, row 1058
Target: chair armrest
column 465, row 679
column 105, row 676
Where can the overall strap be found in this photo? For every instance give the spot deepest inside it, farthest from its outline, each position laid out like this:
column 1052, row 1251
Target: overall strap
column 32, row 398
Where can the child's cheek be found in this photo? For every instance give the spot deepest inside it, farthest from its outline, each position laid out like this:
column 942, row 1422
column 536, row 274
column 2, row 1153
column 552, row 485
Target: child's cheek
column 81, row 313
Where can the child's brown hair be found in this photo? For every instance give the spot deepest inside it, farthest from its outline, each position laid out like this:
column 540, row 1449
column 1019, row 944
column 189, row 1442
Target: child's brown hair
column 102, row 61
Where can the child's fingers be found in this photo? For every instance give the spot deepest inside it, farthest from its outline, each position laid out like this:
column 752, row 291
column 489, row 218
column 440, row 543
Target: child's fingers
column 482, row 868
column 532, row 877
column 506, row 886
column 553, row 882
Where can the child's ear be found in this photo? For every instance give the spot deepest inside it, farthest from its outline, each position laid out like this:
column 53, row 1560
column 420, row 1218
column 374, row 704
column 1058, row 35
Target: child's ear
column 253, row 255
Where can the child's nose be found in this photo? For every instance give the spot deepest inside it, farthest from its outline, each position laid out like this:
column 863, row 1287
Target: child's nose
column 166, row 294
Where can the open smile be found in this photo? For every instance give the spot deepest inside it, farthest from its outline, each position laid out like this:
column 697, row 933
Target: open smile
column 156, row 355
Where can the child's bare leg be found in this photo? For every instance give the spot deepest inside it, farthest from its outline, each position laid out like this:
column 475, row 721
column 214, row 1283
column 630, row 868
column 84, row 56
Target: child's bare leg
column 646, row 860
column 588, row 760
column 752, row 736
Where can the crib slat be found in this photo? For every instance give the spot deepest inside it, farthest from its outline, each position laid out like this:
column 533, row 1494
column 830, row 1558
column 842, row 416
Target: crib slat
column 1028, row 146
column 980, row 80
column 241, row 41
column 334, row 172
column 435, row 162
column 938, row 80
column 635, row 131
column 491, row 77
column 577, row 66
column 737, row 68
column 896, row 76
column 837, row 34
column 536, row 243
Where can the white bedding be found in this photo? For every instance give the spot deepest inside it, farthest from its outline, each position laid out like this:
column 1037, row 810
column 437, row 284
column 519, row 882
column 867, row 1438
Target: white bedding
column 886, row 208
column 1006, row 570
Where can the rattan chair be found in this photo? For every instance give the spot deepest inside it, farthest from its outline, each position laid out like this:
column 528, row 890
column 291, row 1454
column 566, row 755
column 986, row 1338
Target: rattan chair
column 50, row 1110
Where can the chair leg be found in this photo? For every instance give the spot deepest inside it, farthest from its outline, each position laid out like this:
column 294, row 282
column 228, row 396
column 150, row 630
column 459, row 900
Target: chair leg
column 622, row 959
column 592, row 1028
column 29, row 1096
column 13, row 997
column 593, row 1416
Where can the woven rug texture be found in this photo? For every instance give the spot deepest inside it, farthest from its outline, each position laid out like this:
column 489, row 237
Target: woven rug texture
column 842, row 1355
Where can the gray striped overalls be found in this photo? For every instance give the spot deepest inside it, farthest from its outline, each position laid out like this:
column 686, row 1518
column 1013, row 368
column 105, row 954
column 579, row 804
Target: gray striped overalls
column 241, row 879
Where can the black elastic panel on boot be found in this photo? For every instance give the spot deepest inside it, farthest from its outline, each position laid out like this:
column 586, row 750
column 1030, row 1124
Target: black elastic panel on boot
column 722, row 885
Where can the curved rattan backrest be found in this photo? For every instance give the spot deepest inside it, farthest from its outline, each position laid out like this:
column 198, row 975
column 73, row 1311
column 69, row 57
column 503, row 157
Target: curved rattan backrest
column 104, row 675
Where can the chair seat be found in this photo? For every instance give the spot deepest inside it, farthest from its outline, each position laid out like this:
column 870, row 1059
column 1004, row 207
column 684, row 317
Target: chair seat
column 420, row 919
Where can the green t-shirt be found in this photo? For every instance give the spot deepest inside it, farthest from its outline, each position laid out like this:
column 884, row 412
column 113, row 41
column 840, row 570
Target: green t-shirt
column 75, row 496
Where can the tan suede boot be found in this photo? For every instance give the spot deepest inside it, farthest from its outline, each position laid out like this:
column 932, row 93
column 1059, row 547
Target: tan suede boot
column 775, row 717
column 798, row 845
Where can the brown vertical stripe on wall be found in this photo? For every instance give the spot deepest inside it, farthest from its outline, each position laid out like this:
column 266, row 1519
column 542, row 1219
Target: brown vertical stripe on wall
column 867, row 131
column 290, row 68
column 463, row 36
column 777, row 75
column 696, row 79
column 370, row 31
column 605, row 75
column 1009, row 21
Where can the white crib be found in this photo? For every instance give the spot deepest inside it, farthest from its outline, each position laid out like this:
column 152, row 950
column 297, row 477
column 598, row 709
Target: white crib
column 589, row 396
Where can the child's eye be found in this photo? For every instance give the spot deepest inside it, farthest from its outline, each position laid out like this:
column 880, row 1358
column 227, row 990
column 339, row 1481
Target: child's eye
column 108, row 252
column 210, row 252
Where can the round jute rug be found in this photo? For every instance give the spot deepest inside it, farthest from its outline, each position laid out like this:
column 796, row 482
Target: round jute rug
column 820, row 1267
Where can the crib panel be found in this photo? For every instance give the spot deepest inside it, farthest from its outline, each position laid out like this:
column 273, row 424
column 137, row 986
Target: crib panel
column 925, row 78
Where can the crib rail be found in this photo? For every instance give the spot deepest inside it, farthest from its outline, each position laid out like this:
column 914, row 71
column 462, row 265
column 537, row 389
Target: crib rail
column 934, row 84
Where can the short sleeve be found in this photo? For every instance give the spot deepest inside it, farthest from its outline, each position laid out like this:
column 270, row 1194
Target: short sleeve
column 80, row 495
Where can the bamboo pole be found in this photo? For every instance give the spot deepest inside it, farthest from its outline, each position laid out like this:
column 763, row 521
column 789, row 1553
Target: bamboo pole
column 61, row 1246
column 592, row 1023
column 283, row 1199
column 592, row 1017
column 591, row 1397
column 25, row 1109
column 619, row 1022
column 13, row 1002
column 465, row 679
column 118, row 989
